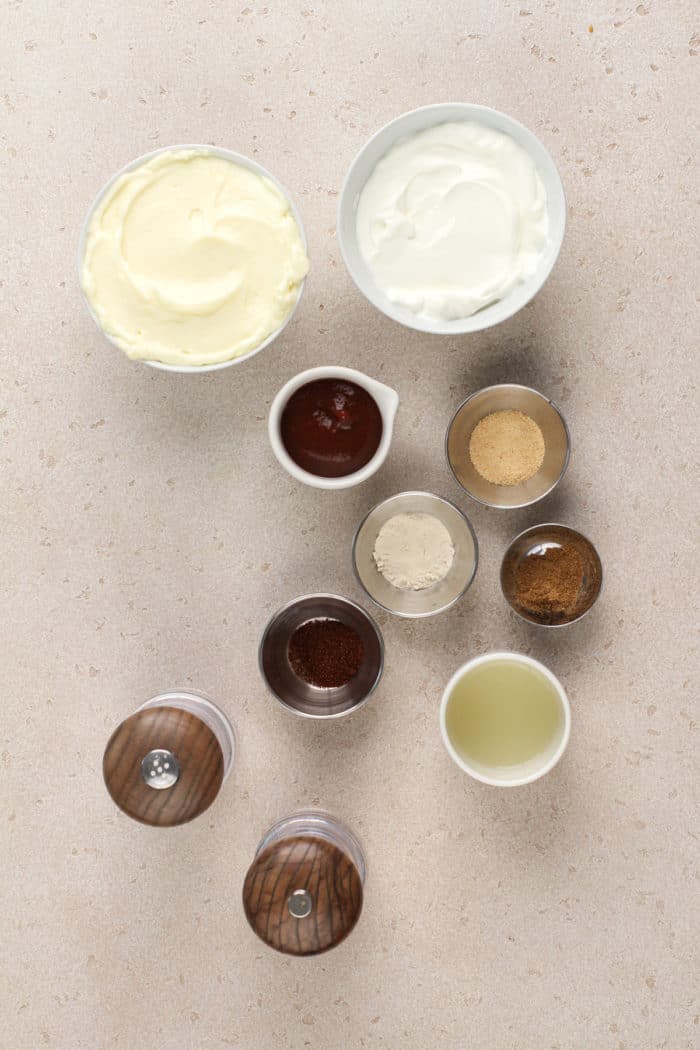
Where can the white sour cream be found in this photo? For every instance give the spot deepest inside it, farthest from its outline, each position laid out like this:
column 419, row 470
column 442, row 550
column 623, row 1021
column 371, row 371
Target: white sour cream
column 452, row 219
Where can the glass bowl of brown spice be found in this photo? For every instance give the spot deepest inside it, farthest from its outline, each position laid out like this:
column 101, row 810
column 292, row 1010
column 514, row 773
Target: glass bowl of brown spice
column 551, row 575
column 508, row 446
column 321, row 656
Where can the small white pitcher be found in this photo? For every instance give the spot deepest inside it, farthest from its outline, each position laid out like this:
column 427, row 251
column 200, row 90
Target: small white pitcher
column 387, row 401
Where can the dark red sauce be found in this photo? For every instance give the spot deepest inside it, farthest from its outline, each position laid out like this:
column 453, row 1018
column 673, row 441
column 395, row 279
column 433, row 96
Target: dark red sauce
column 331, row 427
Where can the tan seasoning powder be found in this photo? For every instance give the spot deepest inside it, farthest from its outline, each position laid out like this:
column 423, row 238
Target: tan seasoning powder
column 506, row 447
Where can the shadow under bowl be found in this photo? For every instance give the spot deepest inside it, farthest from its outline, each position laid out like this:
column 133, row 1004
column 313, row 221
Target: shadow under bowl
column 292, row 691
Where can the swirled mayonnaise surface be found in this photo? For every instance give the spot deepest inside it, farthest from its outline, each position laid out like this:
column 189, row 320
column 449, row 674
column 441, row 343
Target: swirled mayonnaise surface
column 451, row 219
column 192, row 259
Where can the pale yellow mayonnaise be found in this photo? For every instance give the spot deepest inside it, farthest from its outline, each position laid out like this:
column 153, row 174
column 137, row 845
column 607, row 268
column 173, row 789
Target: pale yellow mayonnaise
column 192, row 259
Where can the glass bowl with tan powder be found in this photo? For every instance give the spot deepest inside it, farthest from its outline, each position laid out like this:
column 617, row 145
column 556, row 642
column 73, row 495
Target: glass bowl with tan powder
column 508, row 446
column 415, row 554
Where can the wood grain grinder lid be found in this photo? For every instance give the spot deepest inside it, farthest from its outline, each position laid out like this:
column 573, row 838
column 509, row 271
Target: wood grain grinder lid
column 164, row 765
column 303, row 892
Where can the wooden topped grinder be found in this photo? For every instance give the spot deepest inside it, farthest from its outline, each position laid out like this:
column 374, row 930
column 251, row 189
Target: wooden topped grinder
column 165, row 764
column 303, row 892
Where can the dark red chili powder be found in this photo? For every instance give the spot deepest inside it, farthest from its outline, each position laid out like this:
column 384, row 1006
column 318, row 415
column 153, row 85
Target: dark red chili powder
column 325, row 653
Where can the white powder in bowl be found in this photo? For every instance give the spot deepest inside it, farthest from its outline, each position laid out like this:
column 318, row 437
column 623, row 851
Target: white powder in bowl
column 413, row 551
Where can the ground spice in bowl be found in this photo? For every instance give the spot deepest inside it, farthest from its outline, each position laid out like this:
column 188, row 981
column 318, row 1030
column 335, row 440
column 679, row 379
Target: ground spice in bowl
column 413, row 551
column 506, row 447
column 551, row 575
column 325, row 653
column 549, row 579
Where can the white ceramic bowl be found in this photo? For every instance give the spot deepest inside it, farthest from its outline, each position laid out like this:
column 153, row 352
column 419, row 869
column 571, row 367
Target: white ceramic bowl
column 365, row 163
column 534, row 769
column 236, row 158
column 387, row 402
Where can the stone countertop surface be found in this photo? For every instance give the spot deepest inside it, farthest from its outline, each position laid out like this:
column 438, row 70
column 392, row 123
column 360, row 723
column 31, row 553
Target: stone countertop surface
column 148, row 533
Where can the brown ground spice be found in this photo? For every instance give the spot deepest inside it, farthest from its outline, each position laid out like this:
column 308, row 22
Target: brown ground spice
column 506, row 447
column 325, row 653
column 549, row 583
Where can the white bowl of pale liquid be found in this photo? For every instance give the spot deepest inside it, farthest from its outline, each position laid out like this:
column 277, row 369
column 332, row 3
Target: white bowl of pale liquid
column 505, row 719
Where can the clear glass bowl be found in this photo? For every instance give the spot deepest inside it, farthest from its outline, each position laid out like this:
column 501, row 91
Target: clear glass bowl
column 441, row 595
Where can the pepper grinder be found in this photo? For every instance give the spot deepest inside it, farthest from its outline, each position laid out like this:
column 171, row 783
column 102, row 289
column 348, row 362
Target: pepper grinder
column 303, row 892
column 165, row 764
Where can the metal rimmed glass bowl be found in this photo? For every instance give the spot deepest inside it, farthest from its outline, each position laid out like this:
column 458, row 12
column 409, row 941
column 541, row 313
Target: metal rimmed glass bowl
column 504, row 397
column 534, row 542
column 441, row 595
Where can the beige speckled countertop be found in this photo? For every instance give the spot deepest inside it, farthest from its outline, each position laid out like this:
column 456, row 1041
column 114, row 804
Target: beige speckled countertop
column 148, row 533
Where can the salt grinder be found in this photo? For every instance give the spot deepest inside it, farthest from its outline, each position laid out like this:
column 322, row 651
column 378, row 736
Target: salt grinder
column 303, row 892
column 165, row 764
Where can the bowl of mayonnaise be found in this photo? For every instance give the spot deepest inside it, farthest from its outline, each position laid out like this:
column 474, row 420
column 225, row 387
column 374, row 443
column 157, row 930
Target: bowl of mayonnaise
column 451, row 218
column 192, row 258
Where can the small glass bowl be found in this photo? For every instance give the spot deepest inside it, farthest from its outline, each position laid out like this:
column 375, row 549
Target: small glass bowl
column 294, row 693
column 444, row 593
column 503, row 397
column 552, row 535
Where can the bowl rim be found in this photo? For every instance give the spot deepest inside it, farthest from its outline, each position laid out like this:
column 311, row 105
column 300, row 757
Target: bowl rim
column 236, row 158
column 509, row 656
column 453, row 601
column 567, row 455
column 387, row 410
column 345, row 601
column 470, row 324
column 536, row 528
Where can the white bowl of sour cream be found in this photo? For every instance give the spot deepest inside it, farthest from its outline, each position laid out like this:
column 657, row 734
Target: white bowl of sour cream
column 451, row 218
column 192, row 258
